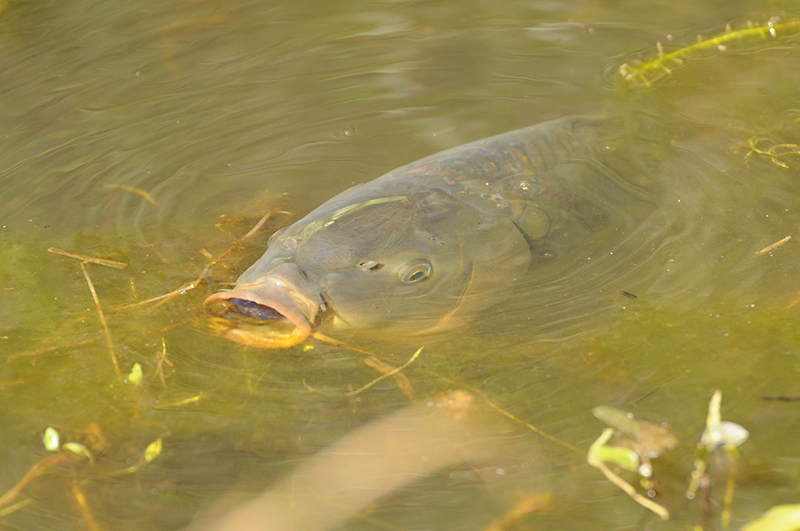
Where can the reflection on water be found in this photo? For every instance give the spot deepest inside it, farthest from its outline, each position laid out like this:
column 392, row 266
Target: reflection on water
column 129, row 131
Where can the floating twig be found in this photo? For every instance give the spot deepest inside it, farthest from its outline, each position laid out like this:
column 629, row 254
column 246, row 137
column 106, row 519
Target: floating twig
column 184, row 402
column 106, row 331
column 180, row 291
column 373, row 382
column 342, row 344
column 261, row 222
column 531, row 427
column 91, row 259
column 45, row 350
column 402, row 381
column 774, row 246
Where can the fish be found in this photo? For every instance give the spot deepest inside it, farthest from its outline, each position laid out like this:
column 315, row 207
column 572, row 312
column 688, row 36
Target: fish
column 426, row 246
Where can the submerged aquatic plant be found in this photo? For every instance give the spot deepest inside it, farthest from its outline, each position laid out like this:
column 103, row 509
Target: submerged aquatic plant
column 638, row 74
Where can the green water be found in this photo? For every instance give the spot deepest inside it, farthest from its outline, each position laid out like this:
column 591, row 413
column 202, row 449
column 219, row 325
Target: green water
column 233, row 109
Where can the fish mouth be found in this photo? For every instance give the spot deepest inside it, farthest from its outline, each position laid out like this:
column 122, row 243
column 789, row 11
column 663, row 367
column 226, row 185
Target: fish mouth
column 271, row 314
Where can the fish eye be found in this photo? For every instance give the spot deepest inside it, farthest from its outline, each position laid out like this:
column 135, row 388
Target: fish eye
column 415, row 271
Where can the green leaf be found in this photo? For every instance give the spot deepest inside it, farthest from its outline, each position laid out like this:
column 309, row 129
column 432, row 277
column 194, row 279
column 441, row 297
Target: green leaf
column 135, row 377
column 622, row 457
column 78, row 449
column 51, row 439
column 153, row 450
column 779, row 518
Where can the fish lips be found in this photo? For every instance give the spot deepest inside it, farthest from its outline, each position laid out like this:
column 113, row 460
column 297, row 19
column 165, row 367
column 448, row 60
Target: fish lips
column 274, row 312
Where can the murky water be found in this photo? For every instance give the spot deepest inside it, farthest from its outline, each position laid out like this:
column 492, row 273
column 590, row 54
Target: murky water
column 156, row 134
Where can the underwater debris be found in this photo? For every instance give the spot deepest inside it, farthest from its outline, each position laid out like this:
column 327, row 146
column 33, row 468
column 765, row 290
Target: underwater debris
column 638, row 74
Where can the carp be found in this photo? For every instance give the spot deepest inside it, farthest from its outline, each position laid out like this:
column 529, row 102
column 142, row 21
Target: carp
column 425, row 245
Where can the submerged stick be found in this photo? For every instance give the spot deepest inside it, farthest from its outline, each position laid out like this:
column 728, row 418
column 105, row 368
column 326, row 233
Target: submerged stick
column 266, row 217
column 45, row 350
column 106, row 331
column 531, row 427
column 34, row 471
column 92, row 259
column 137, row 191
column 86, row 511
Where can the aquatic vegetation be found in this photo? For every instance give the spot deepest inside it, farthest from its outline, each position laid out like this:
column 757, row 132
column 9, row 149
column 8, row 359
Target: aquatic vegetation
column 51, row 440
column 775, row 152
column 637, row 74
column 633, row 454
column 91, row 445
column 717, row 434
column 135, row 376
column 779, row 518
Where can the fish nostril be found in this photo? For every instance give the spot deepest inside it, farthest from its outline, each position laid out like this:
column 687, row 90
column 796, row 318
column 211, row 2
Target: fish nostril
column 369, row 265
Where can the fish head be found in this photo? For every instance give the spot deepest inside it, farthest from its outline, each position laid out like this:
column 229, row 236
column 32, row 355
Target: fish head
column 391, row 262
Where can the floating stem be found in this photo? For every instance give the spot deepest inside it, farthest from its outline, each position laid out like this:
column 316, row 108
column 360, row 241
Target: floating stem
column 642, row 74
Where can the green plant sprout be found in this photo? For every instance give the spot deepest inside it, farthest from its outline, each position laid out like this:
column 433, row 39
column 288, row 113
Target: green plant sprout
column 645, row 441
column 86, row 450
column 718, row 434
column 135, row 376
column 638, row 74
column 51, row 440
